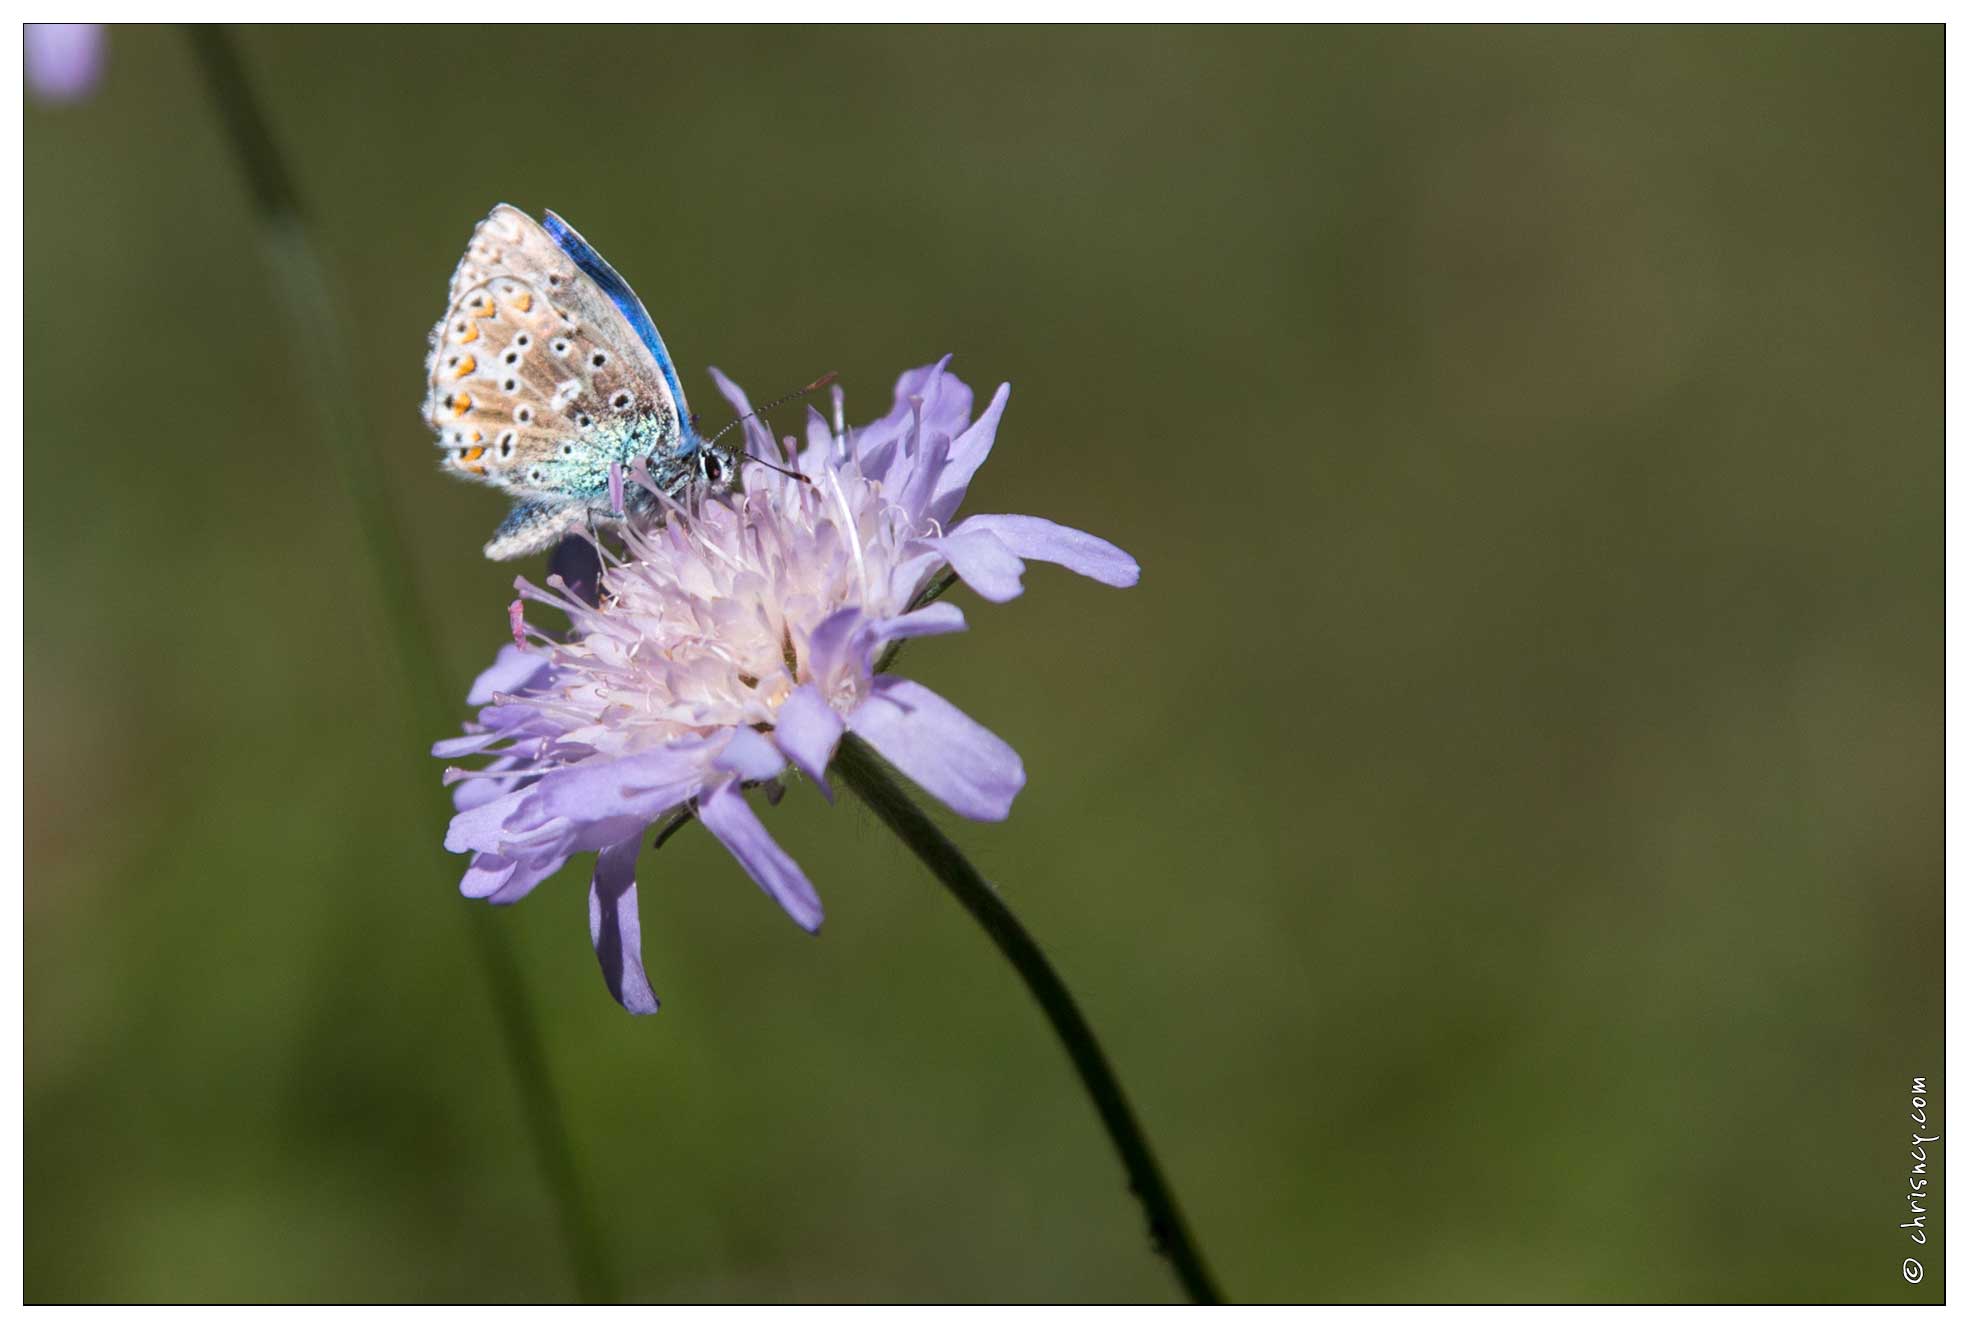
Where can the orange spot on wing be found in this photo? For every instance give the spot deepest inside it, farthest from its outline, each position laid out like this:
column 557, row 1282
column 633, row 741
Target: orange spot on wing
column 523, row 302
column 469, row 334
column 460, row 404
column 466, row 366
column 473, row 454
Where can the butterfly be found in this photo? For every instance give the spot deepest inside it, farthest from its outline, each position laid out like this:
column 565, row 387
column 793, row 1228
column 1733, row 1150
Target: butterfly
column 546, row 375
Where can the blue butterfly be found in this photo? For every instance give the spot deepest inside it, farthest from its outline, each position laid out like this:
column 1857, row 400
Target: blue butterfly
column 546, row 373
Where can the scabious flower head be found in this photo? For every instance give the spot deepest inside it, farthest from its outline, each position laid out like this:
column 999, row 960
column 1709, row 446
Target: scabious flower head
column 736, row 639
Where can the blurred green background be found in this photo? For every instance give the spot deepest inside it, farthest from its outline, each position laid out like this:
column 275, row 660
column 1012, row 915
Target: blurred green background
column 1500, row 840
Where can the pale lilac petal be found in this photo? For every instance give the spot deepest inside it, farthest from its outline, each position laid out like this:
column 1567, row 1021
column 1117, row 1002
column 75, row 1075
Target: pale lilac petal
column 482, row 789
column 914, row 572
column 725, row 813
column 1050, row 542
column 834, row 647
column 951, row 755
column 616, row 927
column 913, row 495
column 733, row 393
column 967, row 453
column 946, row 398
column 751, row 756
column 464, row 745
column 806, row 730
column 645, row 786
column 928, row 402
column 485, row 874
column 925, row 383
column 757, row 441
column 985, row 564
column 510, row 670
column 64, row 60
column 932, row 620
column 502, row 880
column 478, row 827
column 522, row 882
column 820, row 434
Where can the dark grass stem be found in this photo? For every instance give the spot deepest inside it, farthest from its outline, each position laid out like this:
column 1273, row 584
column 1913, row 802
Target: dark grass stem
column 314, row 321
column 857, row 767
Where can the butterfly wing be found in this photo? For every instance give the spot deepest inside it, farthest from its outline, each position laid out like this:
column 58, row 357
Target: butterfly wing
column 537, row 379
column 618, row 293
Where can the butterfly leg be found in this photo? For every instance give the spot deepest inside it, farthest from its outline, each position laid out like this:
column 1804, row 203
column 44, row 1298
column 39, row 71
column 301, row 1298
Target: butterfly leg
column 534, row 526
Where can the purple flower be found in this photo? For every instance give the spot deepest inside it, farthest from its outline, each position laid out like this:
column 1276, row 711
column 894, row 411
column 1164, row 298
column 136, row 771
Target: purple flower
column 64, row 60
column 733, row 642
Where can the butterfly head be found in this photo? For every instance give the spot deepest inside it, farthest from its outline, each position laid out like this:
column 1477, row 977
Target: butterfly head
column 717, row 469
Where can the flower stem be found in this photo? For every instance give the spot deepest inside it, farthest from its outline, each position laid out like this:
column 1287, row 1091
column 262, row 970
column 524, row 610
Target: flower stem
column 315, row 323
column 861, row 770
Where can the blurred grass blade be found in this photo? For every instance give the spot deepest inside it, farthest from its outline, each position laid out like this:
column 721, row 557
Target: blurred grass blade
column 314, row 320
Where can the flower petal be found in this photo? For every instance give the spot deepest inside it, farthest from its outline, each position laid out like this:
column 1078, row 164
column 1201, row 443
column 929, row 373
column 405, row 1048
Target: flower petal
column 465, row 744
column 932, row 620
column 951, row 755
column 807, row 729
column 922, row 474
column 967, row 453
column 501, row 880
column 758, row 442
column 485, row 874
column 914, row 572
column 1050, row 542
column 510, row 670
column 733, row 393
column 751, row 755
column 820, row 435
column 478, row 827
column 835, row 646
column 469, row 794
column 725, row 813
column 616, row 926
column 641, row 787
column 985, row 564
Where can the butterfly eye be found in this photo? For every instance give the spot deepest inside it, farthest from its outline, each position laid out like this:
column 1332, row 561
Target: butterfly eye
column 714, row 470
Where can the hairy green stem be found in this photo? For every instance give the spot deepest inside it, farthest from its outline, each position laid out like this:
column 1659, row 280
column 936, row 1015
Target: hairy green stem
column 313, row 319
column 857, row 767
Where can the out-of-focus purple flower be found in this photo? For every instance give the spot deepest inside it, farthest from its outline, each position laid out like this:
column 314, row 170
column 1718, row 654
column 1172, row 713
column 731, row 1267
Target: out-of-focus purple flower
column 65, row 60
column 737, row 640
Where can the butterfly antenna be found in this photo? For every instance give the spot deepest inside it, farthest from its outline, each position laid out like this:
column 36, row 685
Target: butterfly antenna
column 814, row 386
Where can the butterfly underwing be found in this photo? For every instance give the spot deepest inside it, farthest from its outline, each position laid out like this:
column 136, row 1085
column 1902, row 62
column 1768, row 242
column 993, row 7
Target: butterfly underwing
column 545, row 374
